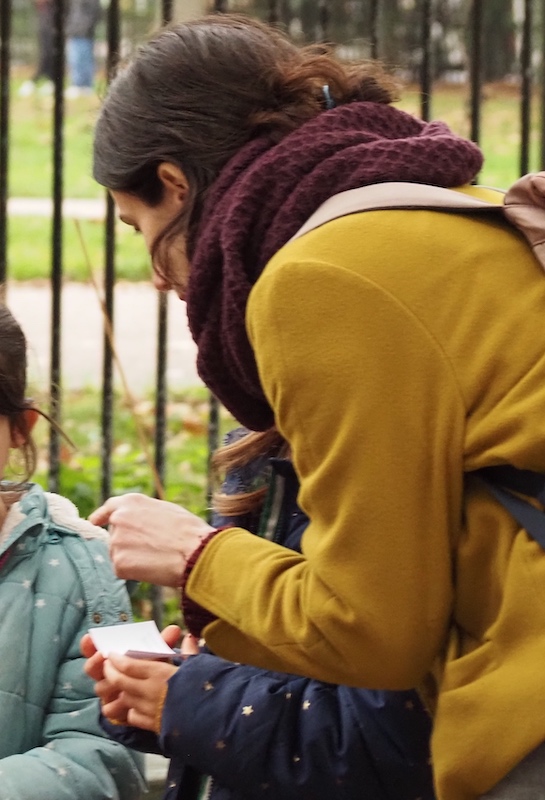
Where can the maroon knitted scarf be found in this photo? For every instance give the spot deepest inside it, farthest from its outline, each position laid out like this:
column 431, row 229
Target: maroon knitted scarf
column 264, row 195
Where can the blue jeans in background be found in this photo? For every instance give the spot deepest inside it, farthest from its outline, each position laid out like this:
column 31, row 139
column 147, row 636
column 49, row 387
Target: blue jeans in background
column 81, row 62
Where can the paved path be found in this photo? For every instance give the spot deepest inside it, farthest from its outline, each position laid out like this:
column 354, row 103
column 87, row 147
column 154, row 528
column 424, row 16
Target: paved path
column 135, row 321
column 94, row 209
column 135, row 329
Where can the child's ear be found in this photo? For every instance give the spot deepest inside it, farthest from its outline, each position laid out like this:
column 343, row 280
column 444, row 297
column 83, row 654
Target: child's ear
column 22, row 427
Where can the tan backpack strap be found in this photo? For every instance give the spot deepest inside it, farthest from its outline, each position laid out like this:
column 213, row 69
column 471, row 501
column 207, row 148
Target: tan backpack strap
column 395, row 196
column 524, row 207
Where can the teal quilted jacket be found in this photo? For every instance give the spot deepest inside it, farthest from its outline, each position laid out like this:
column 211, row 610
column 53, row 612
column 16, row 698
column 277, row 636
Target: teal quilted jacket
column 55, row 582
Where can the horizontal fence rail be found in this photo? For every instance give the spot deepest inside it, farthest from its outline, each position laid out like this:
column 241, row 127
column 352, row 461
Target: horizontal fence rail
column 461, row 48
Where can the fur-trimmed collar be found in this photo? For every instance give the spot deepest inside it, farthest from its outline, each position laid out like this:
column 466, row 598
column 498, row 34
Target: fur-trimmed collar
column 63, row 512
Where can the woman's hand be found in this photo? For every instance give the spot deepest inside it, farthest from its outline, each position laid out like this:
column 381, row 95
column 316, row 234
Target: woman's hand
column 133, row 691
column 150, row 540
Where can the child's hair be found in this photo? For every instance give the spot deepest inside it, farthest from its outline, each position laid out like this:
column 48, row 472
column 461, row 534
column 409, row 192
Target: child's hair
column 13, row 402
column 239, row 453
column 197, row 92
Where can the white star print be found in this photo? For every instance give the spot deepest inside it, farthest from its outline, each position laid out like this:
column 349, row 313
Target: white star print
column 21, row 546
column 80, row 603
column 67, row 687
column 306, row 705
column 54, row 562
column 26, row 584
column 247, row 710
column 99, row 559
column 74, row 714
column 62, row 772
column 40, row 603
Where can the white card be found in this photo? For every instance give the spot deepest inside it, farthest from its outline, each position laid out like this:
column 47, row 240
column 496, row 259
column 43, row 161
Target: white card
column 134, row 639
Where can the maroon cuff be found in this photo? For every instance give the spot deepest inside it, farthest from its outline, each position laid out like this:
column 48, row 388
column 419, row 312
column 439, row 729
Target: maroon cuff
column 195, row 616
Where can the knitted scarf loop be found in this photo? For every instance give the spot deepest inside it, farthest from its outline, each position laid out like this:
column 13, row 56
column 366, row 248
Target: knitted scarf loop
column 263, row 196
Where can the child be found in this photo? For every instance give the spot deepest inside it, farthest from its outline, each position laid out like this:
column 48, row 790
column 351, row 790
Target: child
column 269, row 734
column 56, row 582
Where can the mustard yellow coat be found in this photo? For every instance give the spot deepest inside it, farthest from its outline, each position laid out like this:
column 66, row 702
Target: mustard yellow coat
column 400, row 350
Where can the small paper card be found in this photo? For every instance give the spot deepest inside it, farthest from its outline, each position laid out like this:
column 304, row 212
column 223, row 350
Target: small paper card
column 135, row 639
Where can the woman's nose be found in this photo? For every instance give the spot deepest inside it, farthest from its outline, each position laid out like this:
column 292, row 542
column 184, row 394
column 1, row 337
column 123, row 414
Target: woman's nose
column 160, row 282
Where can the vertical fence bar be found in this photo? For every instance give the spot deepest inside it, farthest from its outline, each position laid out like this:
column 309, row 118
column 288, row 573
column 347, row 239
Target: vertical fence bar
column 57, row 245
column 324, row 17
column 213, row 405
column 161, row 387
column 373, row 25
column 476, row 26
column 526, row 87
column 273, row 16
column 426, row 66
column 113, row 35
column 542, row 75
column 5, row 34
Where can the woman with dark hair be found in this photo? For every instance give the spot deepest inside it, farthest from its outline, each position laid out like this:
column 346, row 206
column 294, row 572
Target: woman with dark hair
column 396, row 351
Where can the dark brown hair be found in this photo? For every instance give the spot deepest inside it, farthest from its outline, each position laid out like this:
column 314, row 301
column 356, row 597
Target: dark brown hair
column 13, row 402
column 195, row 93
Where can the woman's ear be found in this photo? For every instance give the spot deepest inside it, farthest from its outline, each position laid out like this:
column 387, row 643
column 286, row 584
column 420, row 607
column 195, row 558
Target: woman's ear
column 22, row 426
column 173, row 179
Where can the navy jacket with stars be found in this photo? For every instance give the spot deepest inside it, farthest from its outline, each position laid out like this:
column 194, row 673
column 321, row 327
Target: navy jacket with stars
column 271, row 736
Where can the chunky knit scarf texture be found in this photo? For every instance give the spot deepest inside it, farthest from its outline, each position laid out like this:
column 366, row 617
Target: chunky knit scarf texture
column 264, row 195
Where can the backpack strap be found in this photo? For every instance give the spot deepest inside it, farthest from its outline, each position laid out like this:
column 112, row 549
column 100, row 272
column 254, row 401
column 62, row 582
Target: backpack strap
column 503, row 481
column 523, row 206
column 397, row 195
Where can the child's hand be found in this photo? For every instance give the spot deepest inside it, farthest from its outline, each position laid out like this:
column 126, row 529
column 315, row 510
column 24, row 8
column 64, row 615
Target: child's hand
column 118, row 709
column 94, row 666
column 134, row 691
column 190, row 646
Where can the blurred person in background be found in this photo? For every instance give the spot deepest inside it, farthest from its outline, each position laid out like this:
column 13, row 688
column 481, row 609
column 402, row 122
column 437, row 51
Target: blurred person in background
column 44, row 75
column 83, row 18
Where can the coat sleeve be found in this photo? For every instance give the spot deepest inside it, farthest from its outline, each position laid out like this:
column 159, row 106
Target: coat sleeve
column 75, row 761
column 135, row 738
column 253, row 730
column 375, row 420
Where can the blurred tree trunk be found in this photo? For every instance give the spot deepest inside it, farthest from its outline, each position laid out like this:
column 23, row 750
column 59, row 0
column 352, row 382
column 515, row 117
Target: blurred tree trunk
column 498, row 40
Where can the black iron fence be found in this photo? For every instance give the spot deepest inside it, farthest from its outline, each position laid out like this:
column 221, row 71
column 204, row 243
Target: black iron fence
column 470, row 44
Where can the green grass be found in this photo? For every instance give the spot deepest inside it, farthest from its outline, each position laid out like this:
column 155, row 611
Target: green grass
column 30, row 172
column 29, row 250
column 31, row 146
column 186, row 478
column 186, row 449
column 499, row 126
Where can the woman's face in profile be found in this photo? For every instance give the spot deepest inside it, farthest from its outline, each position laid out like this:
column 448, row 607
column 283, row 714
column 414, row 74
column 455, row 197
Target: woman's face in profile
column 170, row 264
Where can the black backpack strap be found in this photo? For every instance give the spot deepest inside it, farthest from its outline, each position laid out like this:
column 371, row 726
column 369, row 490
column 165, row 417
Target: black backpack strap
column 503, row 481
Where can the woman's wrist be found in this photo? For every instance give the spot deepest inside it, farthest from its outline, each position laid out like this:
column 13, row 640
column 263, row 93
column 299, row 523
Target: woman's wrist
column 195, row 616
